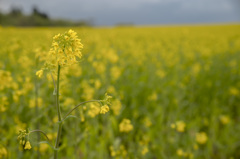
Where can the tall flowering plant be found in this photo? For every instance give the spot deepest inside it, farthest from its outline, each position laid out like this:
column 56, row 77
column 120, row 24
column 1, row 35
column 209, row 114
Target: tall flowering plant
column 65, row 51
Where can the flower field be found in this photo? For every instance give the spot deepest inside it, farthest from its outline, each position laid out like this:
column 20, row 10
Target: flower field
column 175, row 93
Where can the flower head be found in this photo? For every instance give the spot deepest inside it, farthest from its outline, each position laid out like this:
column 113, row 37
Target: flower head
column 201, row 137
column 179, row 126
column 125, row 126
column 27, row 146
column 39, row 73
column 224, row 119
column 104, row 109
column 65, row 50
column 107, row 99
column 22, row 136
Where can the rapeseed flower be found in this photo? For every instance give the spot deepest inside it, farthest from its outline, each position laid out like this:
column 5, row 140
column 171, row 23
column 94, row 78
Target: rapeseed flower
column 116, row 107
column 234, row 91
column 3, row 152
column 180, row 126
column 104, row 109
column 94, row 110
column 6, row 80
column 180, row 152
column 224, row 119
column 201, row 137
column 144, row 150
column 65, row 50
column 39, row 73
column 125, row 126
column 27, row 146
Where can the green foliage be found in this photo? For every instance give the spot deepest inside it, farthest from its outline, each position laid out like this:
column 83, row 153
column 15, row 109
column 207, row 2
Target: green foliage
column 179, row 88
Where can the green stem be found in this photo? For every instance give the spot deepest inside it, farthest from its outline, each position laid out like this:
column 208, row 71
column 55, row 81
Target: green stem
column 79, row 106
column 57, row 140
column 36, row 112
column 59, row 116
column 43, row 134
column 57, row 95
column 36, row 109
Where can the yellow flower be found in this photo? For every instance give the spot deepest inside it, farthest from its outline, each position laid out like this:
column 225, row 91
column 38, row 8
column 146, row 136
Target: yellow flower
column 144, row 150
column 180, row 152
column 104, row 109
column 195, row 147
column 113, row 152
column 180, row 126
column 115, row 72
column 224, row 119
column 3, row 103
column 234, row 91
column 201, row 137
column 39, row 73
column 116, row 107
column 94, row 110
column 147, row 122
column 27, row 146
column 3, row 152
column 32, row 102
column 66, row 48
column 6, row 80
column 125, row 126
column 153, row 97
column 97, row 84
column 173, row 126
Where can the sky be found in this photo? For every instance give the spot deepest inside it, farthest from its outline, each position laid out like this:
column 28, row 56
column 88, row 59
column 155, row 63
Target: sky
column 138, row 12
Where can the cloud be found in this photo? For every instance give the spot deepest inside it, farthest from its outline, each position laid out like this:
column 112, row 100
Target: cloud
column 110, row 12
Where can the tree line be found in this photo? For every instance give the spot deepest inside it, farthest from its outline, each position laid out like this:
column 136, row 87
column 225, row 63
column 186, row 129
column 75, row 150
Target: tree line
column 37, row 18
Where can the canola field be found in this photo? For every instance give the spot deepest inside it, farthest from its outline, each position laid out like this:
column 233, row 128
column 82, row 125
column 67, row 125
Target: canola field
column 175, row 94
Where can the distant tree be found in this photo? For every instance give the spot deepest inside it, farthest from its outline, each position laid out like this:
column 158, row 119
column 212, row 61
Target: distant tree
column 15, row 11
column 36, row 12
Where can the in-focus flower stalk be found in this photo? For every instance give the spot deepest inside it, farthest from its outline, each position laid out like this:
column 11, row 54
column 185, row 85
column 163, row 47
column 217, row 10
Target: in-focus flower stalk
column 59, row 114
column 65, row 50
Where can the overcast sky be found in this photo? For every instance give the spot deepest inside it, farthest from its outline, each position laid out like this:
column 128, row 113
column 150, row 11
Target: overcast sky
column 139, row 12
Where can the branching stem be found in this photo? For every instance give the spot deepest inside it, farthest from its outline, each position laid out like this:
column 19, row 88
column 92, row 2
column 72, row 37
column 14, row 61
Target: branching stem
column 43, row 134
column 79, row 106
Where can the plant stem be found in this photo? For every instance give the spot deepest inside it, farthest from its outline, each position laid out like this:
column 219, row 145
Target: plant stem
column 42, row 133
column 78, row 106
column 36, row 109
column 36, row 112
column 59, row 116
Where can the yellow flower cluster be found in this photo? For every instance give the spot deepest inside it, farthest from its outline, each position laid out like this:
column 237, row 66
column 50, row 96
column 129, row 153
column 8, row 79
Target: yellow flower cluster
column 3, row 103
column 3, row 152
column 118, row 151
column 116, row 107
column 65, row 50
column 153, row 96
column 22, row 139
column 39, row 73
column 32, row 103
column 234, row 91
column 181, row 153
column 179, row 126
column 27, row 146
column 144, row 150
column 6, row 79
column 224, row 119
column 125, row 126
column 201, row 137
column 104, row 109
column 94, row 110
